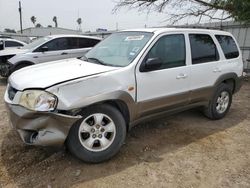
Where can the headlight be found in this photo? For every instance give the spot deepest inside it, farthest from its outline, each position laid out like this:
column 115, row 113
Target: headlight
column 38, row 100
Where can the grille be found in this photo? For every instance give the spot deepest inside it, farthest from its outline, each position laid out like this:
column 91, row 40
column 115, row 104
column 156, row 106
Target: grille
column 11, row 92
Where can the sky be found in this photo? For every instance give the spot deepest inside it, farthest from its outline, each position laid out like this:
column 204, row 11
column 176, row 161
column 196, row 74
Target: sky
column 94, row 13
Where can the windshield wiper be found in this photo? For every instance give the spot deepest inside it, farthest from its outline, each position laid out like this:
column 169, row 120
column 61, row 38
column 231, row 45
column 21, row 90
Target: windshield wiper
column 84, row 58
column 97, row 60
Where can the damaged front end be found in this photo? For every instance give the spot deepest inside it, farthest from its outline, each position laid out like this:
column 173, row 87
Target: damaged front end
column 5, row 69
column 41, row 128
column 44, row 128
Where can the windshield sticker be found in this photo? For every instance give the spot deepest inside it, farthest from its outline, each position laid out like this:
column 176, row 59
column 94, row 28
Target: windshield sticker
column 131, row 38
column 135, row 49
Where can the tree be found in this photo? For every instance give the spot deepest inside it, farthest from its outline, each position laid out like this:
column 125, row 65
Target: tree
column 33, row 20
column 176, row 10
column 55, row 20
column 79, row 22
column 39, row 25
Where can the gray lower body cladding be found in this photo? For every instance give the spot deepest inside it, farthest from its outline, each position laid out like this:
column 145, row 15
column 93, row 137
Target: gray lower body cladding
column 41, row 128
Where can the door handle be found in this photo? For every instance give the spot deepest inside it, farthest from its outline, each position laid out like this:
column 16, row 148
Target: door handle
column 64, row 53
column 181, row 76
column 216, row 70
column 35, row 56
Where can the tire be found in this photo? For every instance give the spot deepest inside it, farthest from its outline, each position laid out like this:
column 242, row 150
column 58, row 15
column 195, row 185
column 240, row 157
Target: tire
column 222, row 96
column 81, row 135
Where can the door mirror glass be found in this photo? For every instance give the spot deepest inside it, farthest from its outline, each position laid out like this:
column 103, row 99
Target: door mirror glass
column 1, row 45
column 152, row 64
column 44, row 49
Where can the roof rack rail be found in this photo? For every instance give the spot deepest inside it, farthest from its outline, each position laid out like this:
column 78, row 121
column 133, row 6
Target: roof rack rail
column 194, row 27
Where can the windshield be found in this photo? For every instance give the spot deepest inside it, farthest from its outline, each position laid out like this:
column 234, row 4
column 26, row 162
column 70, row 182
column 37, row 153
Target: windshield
column 119, row 49
column 36, row 43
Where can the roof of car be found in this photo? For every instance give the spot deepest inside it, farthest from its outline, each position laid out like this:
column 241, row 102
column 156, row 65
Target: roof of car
column 82, row 36
column 181, row 29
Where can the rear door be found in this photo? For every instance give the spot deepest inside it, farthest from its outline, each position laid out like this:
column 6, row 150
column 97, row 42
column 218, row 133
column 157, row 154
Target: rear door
column 206, row 65
column 78, row 46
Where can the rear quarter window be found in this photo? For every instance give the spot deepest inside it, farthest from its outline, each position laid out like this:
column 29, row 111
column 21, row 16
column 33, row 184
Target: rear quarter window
column 228, row 46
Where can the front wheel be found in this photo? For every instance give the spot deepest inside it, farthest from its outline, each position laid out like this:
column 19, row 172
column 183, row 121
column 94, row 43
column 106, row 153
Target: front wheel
column 220, row 103
column 98, row 135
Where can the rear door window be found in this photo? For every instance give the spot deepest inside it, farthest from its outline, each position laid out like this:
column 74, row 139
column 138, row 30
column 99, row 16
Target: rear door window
column 12, row 44
column 73, row 43
column 203, row 48
column 57, row 44
column 228, row 46
column 87, row 43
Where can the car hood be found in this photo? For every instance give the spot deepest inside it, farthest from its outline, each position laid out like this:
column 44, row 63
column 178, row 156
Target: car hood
column 52, row 73
column 13, row 51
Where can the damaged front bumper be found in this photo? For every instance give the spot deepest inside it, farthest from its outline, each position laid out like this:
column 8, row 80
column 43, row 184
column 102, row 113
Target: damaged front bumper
column 41, row 128
column 5, row 69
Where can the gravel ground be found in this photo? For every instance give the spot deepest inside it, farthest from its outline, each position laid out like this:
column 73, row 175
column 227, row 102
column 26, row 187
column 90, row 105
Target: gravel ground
column 183, row 150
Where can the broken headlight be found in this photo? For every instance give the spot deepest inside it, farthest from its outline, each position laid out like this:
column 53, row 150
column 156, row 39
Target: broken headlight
column 38, row 100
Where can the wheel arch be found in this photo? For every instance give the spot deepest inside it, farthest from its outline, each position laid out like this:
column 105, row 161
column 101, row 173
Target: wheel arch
column 230, row 78
column 23, row 62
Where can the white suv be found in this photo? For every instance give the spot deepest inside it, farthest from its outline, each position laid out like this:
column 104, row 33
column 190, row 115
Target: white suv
column 90, row 103
column 50, row 48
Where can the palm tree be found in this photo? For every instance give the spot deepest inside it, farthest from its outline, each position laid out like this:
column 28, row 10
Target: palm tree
column 79, row 22
column 33, row 20
column 55, row 20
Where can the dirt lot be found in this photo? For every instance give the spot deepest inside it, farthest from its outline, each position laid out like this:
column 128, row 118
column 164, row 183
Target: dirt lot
column 184, row 150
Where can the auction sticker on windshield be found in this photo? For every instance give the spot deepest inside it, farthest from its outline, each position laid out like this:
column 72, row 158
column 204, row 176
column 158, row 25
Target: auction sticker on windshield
column 139, row 37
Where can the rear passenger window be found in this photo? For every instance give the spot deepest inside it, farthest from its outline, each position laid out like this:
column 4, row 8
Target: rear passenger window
column 203, row 48
column 87, row 43
column 73, row 43
column 228, row 46
column 57, row 44
column 12, row 44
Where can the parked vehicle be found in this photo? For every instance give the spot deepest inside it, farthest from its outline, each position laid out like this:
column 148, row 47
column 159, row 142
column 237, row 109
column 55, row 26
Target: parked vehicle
column 90, row 103
column 6, row 43
column 7, row 46
column 50, row 48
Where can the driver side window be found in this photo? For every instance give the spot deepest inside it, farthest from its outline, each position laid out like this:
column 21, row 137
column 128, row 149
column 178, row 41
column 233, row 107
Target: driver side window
column 170, row 50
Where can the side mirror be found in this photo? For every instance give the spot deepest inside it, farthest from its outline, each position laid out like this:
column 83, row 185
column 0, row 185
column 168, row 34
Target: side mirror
column 151, row 64
column 44, row 49
column 1, row 45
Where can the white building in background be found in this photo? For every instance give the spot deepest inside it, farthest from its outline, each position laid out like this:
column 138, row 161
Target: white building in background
column 35, row 32
column 44, row 31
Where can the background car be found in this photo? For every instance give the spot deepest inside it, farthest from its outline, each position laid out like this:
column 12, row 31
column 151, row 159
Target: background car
column 50, row 48
column 6, row 43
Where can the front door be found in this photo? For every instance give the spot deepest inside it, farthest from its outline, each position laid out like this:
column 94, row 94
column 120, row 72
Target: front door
column 168, row 86
column 56, row 49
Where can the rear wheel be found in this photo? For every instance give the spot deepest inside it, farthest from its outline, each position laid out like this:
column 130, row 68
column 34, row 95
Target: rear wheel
column 98, row 135
column 220, row 103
